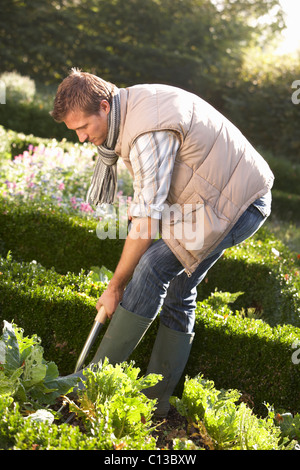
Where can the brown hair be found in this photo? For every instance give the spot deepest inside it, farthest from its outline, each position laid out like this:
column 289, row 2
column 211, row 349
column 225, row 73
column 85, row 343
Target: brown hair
column 80, row 90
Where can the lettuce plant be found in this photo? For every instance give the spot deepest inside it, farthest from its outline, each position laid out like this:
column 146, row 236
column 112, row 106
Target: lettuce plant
column 112, row 398
column 25, row 375
column 229, row 423
column 112, row 409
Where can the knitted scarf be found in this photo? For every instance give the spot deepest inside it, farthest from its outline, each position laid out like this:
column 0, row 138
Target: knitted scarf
column 104, row 180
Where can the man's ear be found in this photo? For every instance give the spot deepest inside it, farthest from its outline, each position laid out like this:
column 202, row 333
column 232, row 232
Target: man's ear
column 104, row 106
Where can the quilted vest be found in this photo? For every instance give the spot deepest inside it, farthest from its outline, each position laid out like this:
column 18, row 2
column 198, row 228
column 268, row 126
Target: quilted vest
column 217, row 173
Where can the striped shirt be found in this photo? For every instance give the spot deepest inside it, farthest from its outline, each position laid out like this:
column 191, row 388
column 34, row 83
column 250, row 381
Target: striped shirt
column 152, row 157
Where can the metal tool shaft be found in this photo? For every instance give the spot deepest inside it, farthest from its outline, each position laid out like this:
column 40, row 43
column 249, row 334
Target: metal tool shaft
column 98, row 323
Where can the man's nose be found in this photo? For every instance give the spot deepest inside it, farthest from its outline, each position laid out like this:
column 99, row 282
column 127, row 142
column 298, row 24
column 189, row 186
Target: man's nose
column 82, row 136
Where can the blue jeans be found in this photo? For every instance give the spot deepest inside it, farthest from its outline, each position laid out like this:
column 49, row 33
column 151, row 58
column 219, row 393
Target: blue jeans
column 160, row 281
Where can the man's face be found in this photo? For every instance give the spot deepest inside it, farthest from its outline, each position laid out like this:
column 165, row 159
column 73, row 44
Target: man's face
column 92, row 128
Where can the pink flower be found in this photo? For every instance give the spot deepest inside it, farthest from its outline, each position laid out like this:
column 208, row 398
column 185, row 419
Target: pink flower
column 85, row 207
column 61, row 186
column 10, row 184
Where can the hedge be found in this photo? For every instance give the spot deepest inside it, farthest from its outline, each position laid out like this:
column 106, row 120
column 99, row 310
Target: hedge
column 267, row 274
column 33, row 118
column 262, row 267
column 60, row 309
column 54, row 238
column 49, row 304
column 247, row 354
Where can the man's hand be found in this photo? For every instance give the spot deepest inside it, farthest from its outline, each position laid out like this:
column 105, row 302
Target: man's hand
column 140, row 237
column 110, row 299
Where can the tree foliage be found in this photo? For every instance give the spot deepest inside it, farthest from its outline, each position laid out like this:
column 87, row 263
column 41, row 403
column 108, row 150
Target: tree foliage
column 199, row 45
column 195, row 44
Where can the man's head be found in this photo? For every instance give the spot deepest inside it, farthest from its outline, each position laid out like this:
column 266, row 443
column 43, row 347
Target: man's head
column 83, row 103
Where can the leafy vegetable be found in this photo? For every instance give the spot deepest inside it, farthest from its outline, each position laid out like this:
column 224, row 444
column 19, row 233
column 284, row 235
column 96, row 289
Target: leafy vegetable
column 229, row 424
column 100, row 274
column 25, row 374
column 112, row 395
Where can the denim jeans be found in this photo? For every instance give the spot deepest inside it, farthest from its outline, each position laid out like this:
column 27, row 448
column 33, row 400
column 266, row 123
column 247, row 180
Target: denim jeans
column 160, row 283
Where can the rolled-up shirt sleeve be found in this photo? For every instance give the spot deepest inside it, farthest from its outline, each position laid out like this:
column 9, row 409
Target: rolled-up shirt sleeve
column 152, row 157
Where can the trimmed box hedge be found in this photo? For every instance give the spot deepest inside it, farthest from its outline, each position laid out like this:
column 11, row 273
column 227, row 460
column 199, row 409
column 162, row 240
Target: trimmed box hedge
column 247, row 354
column 267, row 274
column 60, row 309
column 262, row 267
column 54, row 238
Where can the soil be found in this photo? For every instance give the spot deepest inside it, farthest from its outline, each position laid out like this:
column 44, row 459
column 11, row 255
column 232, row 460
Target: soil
column 176, row 426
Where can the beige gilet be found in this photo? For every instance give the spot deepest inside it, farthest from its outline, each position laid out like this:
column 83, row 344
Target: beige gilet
column 215, row 168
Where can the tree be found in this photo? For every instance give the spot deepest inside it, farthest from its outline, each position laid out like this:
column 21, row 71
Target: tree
column 195, row 44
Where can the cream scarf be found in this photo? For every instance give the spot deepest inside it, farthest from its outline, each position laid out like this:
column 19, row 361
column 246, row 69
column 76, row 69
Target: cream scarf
column 104, row 180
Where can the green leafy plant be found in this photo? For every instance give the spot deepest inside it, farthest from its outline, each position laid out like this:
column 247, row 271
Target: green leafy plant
column 102, row 274
column 112, row 395
column 113, row 411
column 25, row 374
column 29, row 433
column 288, row 424
column 230, row 425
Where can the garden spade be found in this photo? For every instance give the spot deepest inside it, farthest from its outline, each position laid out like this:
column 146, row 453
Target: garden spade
column 99, row 321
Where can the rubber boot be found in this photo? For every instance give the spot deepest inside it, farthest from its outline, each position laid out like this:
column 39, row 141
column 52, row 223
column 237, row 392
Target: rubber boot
column 122, row 336
column 169, row 356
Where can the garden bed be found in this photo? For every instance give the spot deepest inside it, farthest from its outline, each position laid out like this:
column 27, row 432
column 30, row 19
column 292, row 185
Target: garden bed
column 112, row 413
column 49, row 283
column 232, row 347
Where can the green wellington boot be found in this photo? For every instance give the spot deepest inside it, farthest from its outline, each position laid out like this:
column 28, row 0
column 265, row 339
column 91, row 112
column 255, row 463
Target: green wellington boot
column 125, row 331
column 169, row 356
column 123, row 334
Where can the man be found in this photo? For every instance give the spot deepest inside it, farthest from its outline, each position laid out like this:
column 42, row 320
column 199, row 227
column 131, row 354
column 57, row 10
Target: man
column 187, row 161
